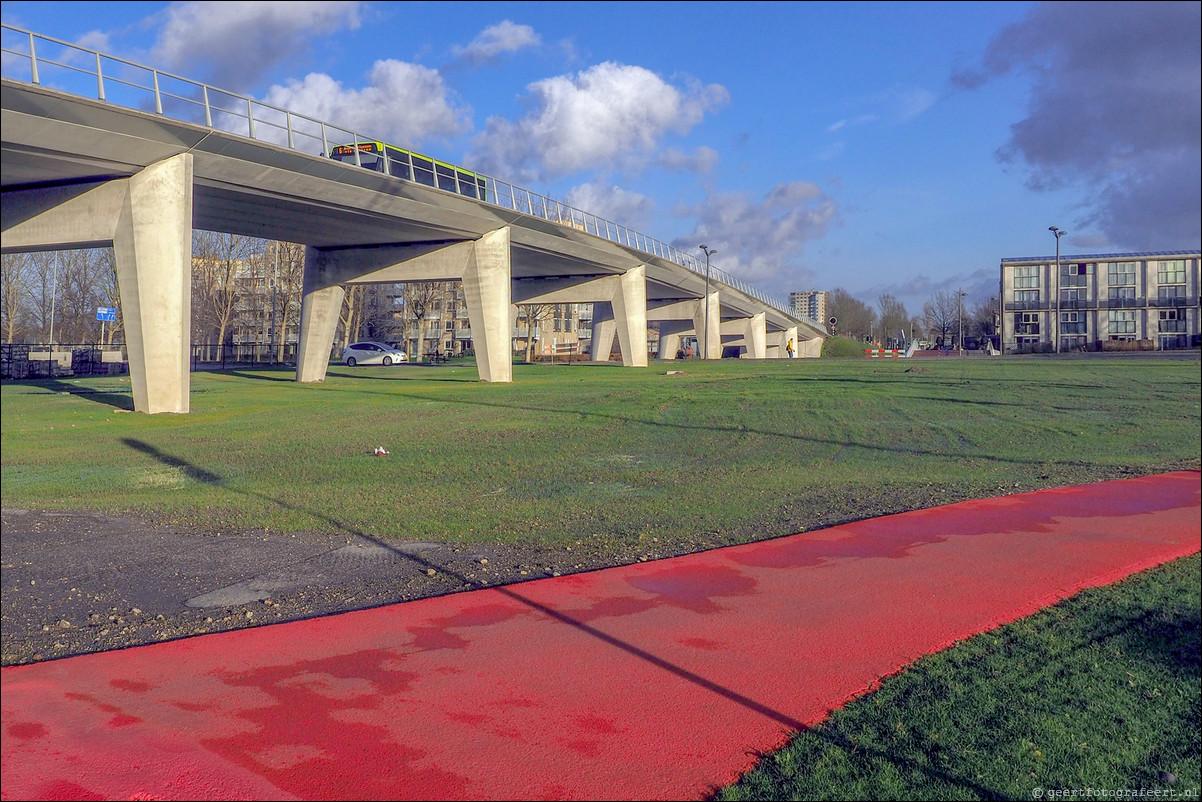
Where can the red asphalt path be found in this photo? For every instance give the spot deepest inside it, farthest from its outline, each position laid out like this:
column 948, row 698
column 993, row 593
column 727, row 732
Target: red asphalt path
column 656, row 680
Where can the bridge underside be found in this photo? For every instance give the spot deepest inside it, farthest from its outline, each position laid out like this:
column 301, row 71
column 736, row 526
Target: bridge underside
column 79, row 173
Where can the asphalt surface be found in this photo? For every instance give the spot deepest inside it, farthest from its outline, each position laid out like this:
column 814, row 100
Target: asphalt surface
column 658, row 680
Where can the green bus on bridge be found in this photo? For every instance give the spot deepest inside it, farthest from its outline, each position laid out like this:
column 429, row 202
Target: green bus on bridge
column 413, row 167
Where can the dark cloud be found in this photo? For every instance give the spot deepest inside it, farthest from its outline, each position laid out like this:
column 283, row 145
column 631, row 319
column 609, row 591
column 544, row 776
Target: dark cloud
column 1115, row 110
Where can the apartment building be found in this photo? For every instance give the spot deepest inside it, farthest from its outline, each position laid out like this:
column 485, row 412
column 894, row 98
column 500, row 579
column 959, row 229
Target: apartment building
column 811, row 303
column 1096, row 301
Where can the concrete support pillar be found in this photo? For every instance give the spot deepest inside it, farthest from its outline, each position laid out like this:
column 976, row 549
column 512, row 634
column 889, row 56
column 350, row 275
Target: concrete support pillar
column 810, row 349
column 669, row 344
column 630, row 315
column 605, row 328
column 487, row 281
column 713, row 348
column 152, row 243
column 787, row 336
column 756, row 337
column 320, row 308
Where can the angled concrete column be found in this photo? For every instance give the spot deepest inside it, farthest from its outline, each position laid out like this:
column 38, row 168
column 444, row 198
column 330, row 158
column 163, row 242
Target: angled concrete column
column 605, row 328
column 320, row 308
column 757, row 337
column 810, row 349
column 152, row 243
column 713, row 348
column 487, row 289
column 630, row 314
column 669, row 344
column 787, row 336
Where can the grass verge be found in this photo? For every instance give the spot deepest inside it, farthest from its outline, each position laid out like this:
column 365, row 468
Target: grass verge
column 1098, row 692
column 724, row 452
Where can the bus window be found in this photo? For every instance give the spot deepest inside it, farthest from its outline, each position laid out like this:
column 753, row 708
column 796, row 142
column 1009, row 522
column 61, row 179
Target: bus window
column 467, row 184
column 398, row 164
column 446, row 178
column 423, row 170
column 369, row 155
column 480, row 182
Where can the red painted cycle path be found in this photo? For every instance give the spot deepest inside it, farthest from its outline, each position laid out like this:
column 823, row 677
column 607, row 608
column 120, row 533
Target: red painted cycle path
column 656, row 680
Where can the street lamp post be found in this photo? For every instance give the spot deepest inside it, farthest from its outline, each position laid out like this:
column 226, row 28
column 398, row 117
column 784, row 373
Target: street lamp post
column 705, row 353
column 1056, row 320
column 960, row 319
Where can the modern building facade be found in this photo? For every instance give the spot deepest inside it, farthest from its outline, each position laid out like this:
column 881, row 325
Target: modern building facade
column 1099, row 301
column 811, row 303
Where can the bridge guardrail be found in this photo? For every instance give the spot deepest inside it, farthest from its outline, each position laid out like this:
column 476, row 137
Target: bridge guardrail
column 32, row 57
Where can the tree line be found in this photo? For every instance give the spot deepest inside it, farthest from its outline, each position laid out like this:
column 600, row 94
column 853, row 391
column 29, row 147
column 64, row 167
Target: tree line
column 890, row 323
column 242, row 288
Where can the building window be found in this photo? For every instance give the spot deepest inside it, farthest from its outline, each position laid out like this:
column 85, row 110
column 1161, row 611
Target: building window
column 1026, row 296
column 1075, row 275
column 1122, row 274
column 1171, row 295
column 1122, row 296
column 1172, row 320
column 1026, row 323
column 1072, row 323
column 1026, row 277
column 1074, row 297
column 1171, row 272
column 1122, row 324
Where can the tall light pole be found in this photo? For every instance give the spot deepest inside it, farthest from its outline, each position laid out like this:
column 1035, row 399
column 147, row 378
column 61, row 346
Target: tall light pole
column 960, row 319
column 1056, row 320
column 705, row 354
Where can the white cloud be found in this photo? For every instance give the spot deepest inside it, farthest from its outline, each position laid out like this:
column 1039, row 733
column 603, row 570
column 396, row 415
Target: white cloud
column 761, row 240
column 497, row 40
column 404, row 103
column 608, row 115
column 236, row 43
column 612, row 203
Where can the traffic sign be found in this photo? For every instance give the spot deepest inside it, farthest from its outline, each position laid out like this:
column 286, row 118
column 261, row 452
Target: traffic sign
column 108, row 313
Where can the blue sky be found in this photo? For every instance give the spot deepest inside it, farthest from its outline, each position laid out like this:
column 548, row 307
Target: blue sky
column 899, row 148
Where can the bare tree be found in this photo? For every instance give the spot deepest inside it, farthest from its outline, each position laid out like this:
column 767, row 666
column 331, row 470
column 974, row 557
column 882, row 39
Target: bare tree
column 421, row 299
column 218, row 261
column 855, row 317
column 109, row 292
column 984, row 320
column 350, row 318
column 40, row 290
column 78, row 296
column 893, row 317
column 535, row 315
column 13, row 298
column 289, row 286
column 941, row 315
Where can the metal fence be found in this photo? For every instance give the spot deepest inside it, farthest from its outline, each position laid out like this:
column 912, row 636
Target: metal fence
column 43, row 60
column 40, row 361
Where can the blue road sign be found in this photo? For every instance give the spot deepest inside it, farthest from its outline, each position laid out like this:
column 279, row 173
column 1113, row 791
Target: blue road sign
column 108, row 313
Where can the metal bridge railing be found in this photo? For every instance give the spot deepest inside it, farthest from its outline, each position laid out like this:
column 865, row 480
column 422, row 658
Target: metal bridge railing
column 42, row 60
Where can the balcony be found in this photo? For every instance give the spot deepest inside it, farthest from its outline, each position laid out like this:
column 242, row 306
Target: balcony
column 1122, row 303
column 1027, row 306
column 1173, row 302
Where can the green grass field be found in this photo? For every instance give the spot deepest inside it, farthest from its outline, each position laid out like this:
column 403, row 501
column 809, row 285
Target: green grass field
column 726, row 452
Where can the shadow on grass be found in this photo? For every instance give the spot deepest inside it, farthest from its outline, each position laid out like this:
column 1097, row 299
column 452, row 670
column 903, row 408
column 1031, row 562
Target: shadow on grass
column 289, row 375
column 123, row 401
column 511, row 592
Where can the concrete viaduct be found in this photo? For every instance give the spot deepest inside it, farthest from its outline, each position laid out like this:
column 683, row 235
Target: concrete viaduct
column 78, row 172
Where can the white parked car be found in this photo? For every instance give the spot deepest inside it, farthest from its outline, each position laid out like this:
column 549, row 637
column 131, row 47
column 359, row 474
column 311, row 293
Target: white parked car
column 372, row 353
